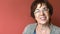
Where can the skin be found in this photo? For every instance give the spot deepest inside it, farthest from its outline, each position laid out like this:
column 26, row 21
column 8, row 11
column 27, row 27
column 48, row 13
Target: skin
column 42, row 17
column 42, row 14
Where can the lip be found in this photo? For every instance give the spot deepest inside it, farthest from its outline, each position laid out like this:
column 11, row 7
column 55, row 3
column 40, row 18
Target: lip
column 43, row 18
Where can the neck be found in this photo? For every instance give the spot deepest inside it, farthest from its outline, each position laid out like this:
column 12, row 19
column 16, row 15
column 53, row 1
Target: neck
column 40, row 26
column 43, row 28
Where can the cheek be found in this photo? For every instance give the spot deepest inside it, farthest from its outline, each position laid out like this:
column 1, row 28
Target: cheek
column 47, row 15
column 36, row 15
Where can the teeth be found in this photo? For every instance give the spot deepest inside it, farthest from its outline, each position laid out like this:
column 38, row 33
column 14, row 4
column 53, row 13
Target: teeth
column 43, row 18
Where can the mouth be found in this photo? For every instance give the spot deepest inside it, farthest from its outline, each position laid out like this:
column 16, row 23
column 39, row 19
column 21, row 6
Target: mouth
column 43, row 18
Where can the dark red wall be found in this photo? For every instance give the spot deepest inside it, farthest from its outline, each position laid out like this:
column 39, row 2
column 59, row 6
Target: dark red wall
column 15, row 15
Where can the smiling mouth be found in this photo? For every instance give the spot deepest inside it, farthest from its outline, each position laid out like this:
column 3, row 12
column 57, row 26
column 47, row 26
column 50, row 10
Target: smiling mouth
column 43, row 18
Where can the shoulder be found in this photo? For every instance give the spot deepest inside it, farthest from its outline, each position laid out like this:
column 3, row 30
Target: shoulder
column 29, row 28
column 56, row 29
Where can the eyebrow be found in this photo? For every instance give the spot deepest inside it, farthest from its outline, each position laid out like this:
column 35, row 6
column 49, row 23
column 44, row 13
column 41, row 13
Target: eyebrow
column 44, row 7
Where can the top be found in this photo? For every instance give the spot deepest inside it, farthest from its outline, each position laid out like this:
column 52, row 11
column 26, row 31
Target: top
column 29, row 29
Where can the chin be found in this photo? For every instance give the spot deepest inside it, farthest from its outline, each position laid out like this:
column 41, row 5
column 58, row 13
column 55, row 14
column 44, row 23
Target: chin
column 43, row 22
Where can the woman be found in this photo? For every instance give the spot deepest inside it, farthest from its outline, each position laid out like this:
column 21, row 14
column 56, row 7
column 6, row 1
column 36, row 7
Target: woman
column 41, row 11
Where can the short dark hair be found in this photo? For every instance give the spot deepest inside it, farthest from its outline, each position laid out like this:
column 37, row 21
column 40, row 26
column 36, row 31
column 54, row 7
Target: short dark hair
column 34, row 6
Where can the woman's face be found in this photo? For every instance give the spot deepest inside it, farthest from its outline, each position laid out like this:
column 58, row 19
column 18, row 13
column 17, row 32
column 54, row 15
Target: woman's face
column 41, row 14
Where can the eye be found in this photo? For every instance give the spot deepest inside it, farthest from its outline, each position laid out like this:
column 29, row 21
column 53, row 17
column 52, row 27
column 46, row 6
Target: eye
column 37, row 11
column 45, row 9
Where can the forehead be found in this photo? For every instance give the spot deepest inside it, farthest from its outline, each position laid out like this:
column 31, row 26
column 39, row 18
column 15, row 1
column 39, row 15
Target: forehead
column 41, row 5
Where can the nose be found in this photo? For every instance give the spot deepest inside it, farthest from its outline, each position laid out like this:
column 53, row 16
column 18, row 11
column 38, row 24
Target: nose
column 41, row 13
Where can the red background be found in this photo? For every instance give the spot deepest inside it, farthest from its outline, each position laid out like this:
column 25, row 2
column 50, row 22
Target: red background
column 15, row 15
